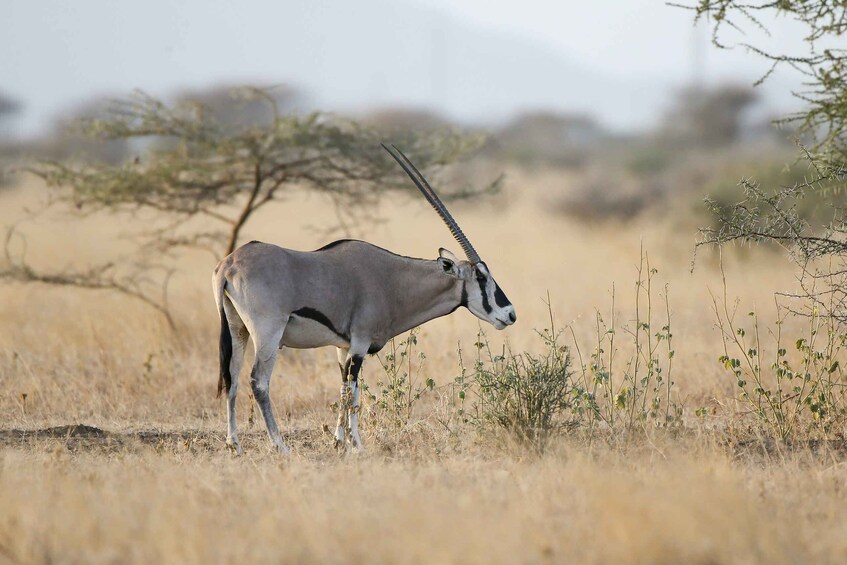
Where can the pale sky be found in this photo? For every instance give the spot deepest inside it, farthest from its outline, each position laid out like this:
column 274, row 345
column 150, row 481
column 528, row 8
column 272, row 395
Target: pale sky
column 624, row 37
column 473, row 60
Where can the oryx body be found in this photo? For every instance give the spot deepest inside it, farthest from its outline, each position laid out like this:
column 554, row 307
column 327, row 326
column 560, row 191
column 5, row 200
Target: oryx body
column 348, row 294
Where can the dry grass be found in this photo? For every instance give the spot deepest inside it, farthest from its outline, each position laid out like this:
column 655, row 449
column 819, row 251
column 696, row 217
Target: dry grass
column 159, row 486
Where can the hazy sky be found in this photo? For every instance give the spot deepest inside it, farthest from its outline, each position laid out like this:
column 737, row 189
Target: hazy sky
column 474, row 60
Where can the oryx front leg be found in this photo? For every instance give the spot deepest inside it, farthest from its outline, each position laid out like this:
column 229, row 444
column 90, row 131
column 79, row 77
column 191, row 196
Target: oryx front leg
column 343, row 401
column 355, row 366
column 260, row 379
column 348, row 411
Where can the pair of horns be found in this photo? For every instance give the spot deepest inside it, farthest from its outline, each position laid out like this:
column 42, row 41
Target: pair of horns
column 434, row 201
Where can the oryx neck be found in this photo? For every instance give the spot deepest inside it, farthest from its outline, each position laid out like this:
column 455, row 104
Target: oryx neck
column 428, row 293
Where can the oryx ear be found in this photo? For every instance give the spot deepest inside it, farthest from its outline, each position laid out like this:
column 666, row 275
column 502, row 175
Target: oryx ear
column 448, row 261
column 448, row 266
column 446, row 254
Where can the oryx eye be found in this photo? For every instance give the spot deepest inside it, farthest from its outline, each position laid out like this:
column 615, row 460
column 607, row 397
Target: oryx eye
column 480, row 276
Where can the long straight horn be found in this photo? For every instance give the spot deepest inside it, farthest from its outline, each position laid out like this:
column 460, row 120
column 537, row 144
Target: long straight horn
column 434, row 201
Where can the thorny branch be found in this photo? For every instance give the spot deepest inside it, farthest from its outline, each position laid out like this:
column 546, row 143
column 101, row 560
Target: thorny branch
column 99, row 277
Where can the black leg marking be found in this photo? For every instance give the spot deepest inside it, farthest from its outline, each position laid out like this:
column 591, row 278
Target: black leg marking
column 355, row 367
column 350, row 370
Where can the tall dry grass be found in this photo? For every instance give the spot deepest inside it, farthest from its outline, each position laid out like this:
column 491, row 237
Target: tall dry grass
column 158, row 485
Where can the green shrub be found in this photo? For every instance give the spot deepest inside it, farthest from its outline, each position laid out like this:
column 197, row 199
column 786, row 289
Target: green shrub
column 523, row 394
column 791, row 389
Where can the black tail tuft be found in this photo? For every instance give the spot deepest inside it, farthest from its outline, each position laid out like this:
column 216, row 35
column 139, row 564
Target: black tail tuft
column 225, row 380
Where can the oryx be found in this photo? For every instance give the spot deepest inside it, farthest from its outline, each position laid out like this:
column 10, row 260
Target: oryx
column 350, row 294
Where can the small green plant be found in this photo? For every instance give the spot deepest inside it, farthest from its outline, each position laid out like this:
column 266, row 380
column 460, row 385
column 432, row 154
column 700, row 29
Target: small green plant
column 399, row 388
column 638, row 390
column 788, row 388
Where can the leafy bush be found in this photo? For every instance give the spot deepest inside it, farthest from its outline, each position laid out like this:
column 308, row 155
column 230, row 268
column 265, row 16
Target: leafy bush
column 790, row 389
column 523, row 394
column 533, row 396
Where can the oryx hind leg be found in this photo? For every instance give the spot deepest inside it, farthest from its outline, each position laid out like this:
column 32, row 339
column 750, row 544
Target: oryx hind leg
column 266, row 345
column 239, row 334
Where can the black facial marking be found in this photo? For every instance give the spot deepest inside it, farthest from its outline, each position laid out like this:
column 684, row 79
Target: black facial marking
column 500, row 297
column 320, row 318
column 464, row 300
column 485, row 304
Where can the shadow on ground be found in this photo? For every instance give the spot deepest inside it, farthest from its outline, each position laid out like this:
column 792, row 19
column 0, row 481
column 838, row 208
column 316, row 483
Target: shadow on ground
column 84, row 438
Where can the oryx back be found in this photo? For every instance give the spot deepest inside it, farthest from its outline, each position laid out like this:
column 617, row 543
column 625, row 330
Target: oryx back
column 325, row 297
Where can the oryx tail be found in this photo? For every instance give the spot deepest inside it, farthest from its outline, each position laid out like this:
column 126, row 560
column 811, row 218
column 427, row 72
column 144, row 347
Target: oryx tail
column 225, row 379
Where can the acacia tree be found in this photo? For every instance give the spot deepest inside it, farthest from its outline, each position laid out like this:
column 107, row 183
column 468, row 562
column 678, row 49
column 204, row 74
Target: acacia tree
column 824, row 67
column 770, row 214
column 197, row 170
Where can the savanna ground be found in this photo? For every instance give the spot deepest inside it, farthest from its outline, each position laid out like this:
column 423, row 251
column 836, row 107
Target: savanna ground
column 112, row 442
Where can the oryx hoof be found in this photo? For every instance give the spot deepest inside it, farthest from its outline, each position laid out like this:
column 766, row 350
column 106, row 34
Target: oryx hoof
column 235, row 448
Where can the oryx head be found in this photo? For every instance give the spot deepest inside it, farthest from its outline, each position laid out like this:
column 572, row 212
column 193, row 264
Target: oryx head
column 482, row 295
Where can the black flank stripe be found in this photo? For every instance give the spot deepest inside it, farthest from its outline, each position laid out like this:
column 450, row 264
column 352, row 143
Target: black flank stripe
column 320, row 318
